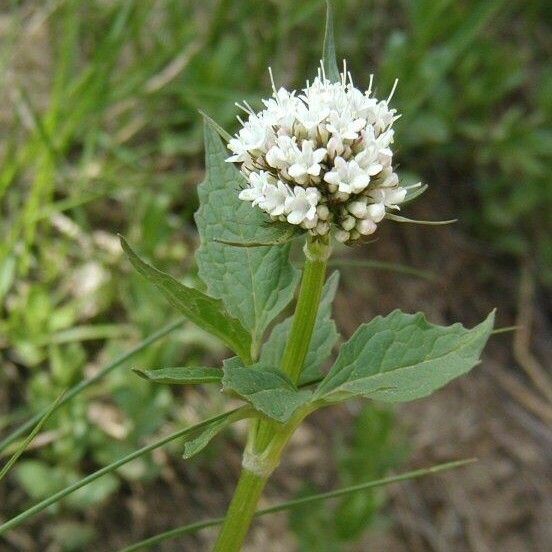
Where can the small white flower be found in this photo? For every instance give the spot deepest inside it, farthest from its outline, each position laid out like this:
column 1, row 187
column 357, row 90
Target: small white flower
column 393, row 197
column 335, row 146
column 275, row 197
column 388, row 179
column 344, row 126
column 361, row 104
column 255, row 191
column 307, row 162
column 253, row 137
column 239, row 149
column 368, row 160
column 348, row 176
column 381, row 117
column 280, row 109
column 301, row 206
column 283, row 153
column 311, row 115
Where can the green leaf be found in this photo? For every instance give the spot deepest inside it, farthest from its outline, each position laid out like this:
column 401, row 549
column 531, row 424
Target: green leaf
column 328, row 50
column 255, row 283
column 324, row 337
column 402, row 357
column 383, row 265
column 398, row 218
column 207, row 312
column 198, row 442
column 181, row 375
column 267, row 390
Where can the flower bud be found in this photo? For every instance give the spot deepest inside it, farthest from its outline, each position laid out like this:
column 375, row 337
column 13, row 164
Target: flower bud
column 323, row 212
column 341, row 235
column 348, row 223
column 376, row 211
column 366, row 227
column 358, row 209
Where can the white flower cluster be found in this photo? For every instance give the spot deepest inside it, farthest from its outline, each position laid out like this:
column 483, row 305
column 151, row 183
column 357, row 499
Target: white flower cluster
column 320, row 159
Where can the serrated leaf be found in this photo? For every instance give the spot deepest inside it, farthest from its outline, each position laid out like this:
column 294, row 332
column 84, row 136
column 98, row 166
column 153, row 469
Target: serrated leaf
column 268, row 390
column 255, row 283
column 328, row 50
column 324, row 337
column 181, row 375
column 197, row 443
column 402, row 357
column 207, row 312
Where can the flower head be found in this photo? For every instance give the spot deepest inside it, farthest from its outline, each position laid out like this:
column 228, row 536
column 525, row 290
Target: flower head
column 321, row 158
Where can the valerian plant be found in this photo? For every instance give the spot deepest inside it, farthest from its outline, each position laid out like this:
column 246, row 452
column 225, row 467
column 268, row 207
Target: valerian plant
column 313, row 166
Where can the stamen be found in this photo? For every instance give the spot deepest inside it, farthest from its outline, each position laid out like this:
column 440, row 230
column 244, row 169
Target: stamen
column 393, row 90
column 247, row 109
column 272, row 81
column 251, row 111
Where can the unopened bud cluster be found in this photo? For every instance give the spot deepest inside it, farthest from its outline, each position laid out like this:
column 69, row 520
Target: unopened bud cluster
column 320, row 159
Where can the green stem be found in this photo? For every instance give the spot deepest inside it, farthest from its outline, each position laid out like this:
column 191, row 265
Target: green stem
column 267, row 439
column 317, row 251
column 241, row 511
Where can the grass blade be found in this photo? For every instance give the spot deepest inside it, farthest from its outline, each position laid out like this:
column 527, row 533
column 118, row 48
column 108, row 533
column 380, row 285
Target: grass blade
column 56, row 497
column 21, row 449
column 194, row 527
column 75, row 390
column 382, row 265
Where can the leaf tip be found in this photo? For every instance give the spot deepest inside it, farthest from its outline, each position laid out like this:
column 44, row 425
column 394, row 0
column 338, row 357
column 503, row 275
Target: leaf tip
column 140, row 372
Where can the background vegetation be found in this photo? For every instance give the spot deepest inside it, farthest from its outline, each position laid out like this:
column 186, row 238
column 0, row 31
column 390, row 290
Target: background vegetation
column 100, row 134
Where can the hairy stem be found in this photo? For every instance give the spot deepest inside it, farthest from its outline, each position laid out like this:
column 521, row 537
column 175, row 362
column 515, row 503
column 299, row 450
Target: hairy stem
column 267, row 439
